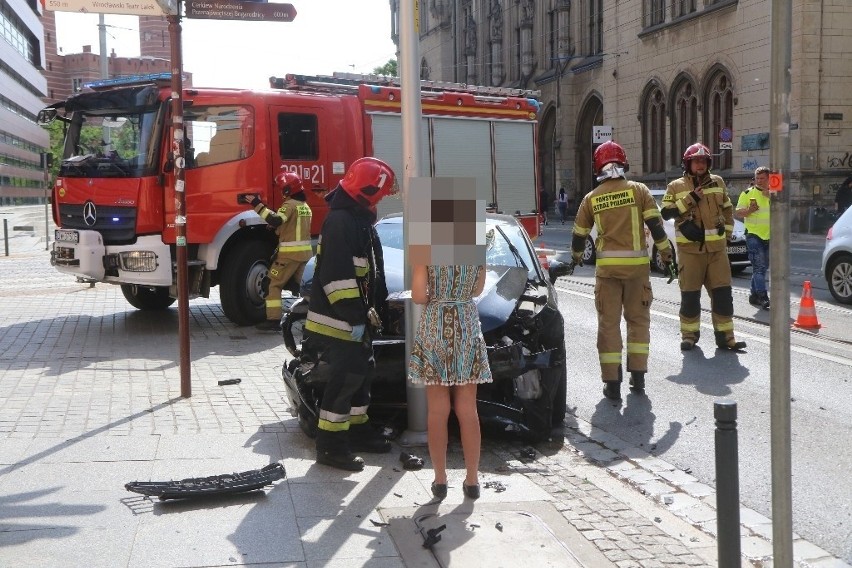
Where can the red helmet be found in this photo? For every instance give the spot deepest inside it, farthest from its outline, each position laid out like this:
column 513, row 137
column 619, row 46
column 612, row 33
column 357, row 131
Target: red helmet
column 289, row 183
column 368, row 180
column 609, row 152
column 697, row 150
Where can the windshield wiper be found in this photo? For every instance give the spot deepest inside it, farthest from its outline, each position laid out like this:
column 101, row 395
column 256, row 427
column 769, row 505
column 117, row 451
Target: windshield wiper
column 515, row 252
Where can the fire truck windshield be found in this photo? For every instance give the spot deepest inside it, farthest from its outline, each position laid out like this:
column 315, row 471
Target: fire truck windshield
column 112, row 143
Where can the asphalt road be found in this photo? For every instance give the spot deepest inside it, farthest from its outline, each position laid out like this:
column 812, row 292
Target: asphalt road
column 675, row 421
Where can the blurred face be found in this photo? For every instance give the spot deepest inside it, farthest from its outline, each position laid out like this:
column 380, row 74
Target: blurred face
column 761, row 180
column 698, row 166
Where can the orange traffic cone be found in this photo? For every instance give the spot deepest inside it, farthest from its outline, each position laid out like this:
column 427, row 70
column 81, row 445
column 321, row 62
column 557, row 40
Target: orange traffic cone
column 807, row 318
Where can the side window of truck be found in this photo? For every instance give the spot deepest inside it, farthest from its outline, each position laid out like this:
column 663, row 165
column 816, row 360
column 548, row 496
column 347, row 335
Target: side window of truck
column 217, row 134
column 298, row 136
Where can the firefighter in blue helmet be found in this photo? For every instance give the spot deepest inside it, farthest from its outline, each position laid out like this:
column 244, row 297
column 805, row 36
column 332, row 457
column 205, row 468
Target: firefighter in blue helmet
column 347, row 285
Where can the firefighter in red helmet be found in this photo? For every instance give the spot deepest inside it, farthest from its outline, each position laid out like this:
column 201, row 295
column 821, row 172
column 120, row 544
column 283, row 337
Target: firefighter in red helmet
column 622, row 274
column 703, row 214
column 347, row 289
column 292, row 225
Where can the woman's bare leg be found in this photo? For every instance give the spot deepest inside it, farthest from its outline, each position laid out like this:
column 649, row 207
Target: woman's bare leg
column 464, row 405
column 437, row 415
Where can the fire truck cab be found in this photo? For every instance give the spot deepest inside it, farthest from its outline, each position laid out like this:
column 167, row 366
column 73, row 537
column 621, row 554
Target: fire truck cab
column 114, row 200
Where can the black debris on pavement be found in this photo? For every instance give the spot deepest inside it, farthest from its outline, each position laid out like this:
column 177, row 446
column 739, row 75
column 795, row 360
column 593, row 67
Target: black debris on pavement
column 432, row 536
column 497, row 486
column 499, row 527
column 196, row 487
column 410, row 461
column 230, row 382
column 528, row 453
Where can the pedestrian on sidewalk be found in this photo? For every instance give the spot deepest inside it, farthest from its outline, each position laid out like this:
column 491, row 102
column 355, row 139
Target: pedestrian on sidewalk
column 292, row 225
column 543, row 203
column 622, row 273
column 449, row 356
column 347, row 285
column 844, row 196
column 753, row 210
column 562, row 204
column 704, row 222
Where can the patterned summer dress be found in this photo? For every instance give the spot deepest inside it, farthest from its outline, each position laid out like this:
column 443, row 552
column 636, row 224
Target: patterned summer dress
column 449, row 348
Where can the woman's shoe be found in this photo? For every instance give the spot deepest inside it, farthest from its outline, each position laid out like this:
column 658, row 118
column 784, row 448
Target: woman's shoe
column 470, row 491
column 439, row 490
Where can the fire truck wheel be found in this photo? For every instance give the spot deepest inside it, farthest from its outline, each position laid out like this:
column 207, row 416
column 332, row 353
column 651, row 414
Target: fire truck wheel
column 239, row 283
column 147, row 298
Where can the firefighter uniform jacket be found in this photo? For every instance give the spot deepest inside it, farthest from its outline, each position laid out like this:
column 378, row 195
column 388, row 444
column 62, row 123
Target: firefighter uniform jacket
column 712, row 215
column 292, row 225
column 620, row 209
column 349, row 268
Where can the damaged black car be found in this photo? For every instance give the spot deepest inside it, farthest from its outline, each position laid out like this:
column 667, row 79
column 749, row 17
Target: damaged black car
column 521, row 323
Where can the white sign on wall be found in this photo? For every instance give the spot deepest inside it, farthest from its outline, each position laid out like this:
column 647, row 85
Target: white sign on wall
column 601, row 134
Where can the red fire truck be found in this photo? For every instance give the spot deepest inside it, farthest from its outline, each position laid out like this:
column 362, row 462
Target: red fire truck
column 114, row 200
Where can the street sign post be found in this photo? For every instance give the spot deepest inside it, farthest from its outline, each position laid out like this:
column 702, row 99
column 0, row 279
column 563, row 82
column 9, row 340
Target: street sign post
column 246, row 11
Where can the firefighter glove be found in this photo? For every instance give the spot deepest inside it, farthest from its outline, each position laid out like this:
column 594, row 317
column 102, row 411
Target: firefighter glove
column 358, row 332
column 670, row 268
column 666, row 255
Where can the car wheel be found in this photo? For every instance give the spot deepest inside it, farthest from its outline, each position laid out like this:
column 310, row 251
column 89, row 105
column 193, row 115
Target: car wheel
column 657, row 260
column 839, row 277
column 147, row 298
column 589, row 251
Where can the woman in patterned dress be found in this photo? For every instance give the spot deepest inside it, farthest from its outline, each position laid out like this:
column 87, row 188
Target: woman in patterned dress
column 448, row 356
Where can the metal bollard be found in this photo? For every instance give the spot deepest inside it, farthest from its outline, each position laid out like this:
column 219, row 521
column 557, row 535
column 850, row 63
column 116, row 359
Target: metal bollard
column 6, row 235
column 727, row 484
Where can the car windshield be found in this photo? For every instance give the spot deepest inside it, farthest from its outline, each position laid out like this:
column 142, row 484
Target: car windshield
column 498, row 253
column 113, row 144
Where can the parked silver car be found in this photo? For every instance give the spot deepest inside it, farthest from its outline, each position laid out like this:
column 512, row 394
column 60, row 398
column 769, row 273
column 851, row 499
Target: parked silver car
column 837, row 258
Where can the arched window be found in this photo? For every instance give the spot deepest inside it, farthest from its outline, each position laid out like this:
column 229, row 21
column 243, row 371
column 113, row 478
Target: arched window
column 719, row 114
column 684, row 118
column 654, row 130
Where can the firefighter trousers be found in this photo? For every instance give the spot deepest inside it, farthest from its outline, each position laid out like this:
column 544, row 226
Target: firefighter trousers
column 633, row 296
column 711, row 270
column 280, row 273
column 347, row 393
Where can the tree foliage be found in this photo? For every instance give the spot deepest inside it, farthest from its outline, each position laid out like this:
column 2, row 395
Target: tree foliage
column 391, row 68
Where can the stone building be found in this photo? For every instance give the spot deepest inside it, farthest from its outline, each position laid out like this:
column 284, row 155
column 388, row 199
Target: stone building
column 21, row 140
column 67, row 73
column 662, row 74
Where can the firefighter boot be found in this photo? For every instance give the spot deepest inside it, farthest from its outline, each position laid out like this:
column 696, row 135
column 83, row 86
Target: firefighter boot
column 687, row 344
column 364, row 438
column 269, row 325
column 333, row 450
column 722, row 342
column 612, row 390
column 637, row 381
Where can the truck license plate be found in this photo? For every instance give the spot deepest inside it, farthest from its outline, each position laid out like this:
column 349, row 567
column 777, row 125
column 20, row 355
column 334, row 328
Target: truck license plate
column 66, row 236
column 736, row 250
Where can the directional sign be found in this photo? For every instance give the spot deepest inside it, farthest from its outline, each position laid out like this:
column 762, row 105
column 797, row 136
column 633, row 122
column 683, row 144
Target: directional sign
column 130, row 7
column 236, row 10
column 601, row 134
